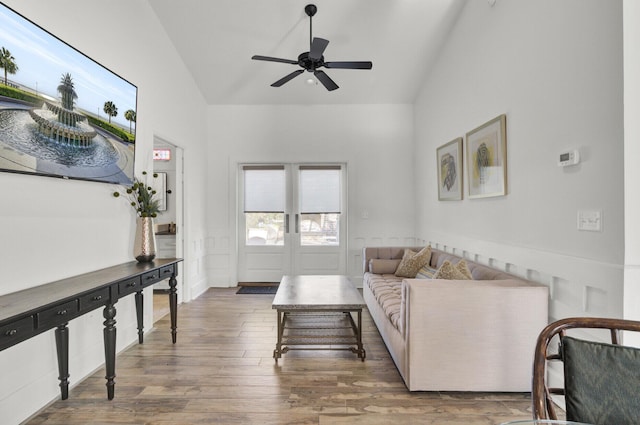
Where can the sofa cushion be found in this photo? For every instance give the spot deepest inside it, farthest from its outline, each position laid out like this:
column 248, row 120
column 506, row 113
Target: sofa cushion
column 426, row 272
column 380, row 266
column 386, row 289
column 450, row 272
column 412, row 262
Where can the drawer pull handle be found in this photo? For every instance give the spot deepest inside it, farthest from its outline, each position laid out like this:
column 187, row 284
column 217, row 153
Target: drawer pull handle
column 62, row 312
column 12, row 332
column 166, row 271
column 151, row 277
column 97, row 298
column 131, row 284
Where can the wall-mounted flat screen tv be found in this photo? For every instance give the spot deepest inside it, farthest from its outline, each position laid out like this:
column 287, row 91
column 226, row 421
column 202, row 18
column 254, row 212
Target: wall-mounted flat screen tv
column 61, row 113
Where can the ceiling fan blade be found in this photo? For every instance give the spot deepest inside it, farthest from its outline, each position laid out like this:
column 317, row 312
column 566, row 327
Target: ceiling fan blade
column 317, row 47
column 325, row 80
column 287, row 78
column 349, row 65
column 270, row 59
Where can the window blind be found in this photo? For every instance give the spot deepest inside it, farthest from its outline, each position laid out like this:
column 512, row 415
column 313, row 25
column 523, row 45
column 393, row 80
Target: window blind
column 264, row 188
column 320, row 189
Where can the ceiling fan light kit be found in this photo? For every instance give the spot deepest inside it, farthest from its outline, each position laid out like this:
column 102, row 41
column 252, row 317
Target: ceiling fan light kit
column 313, row 59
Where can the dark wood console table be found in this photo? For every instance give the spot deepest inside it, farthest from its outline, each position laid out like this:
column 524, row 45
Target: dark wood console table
column 27, row 313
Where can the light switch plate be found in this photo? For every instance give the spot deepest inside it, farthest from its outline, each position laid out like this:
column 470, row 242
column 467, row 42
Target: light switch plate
column 590, row 221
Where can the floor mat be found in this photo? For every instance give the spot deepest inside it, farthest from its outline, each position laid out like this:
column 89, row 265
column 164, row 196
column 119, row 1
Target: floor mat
column 257, row 290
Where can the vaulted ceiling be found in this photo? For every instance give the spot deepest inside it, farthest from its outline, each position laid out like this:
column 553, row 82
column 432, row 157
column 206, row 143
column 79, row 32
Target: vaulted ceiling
column 217, row 38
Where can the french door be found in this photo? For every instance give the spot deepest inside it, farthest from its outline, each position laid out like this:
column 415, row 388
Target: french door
column 292, row 220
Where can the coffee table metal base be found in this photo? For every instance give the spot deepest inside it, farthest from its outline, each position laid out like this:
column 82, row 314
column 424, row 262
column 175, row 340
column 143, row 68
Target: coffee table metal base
column 315, row 312
column 319, row 330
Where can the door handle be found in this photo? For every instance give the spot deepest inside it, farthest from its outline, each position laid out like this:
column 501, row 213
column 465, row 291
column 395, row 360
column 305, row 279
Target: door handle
column 286, row 223
column 297, row 224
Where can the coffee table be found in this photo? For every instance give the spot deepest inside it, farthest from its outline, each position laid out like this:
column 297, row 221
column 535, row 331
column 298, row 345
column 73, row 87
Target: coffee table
column 314, row 313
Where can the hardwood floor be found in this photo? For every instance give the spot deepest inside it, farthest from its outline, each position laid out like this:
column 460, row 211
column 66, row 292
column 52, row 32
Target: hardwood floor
column 221, row 371
column 160, row 305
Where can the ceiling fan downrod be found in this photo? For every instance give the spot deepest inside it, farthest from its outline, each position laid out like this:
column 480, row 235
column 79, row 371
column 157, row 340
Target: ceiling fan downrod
column 310, row 10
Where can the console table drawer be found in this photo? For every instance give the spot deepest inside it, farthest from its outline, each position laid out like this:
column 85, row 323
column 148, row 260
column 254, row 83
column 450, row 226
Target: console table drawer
column 150, row 278
column 129, row 286
column 94, row 300
column 16, row 332
column 57, row 315
column 166, row 272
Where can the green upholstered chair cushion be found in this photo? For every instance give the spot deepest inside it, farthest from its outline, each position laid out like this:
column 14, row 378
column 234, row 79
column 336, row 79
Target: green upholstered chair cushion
column 602, row 382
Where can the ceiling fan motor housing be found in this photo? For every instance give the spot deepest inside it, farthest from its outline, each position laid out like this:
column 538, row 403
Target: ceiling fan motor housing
column 308, row 63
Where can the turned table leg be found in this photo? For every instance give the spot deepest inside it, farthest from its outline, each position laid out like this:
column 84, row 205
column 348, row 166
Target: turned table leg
column 62, row 348
column 109, row 333
column 173, row 307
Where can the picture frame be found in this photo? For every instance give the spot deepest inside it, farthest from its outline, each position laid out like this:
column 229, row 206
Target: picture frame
column 449, row 158
column 486, row 153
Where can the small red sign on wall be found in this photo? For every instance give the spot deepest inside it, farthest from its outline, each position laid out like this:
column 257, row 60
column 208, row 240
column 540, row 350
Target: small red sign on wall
column 162, row 154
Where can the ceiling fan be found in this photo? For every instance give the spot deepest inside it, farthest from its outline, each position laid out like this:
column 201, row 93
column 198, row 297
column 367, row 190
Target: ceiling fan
column 313, row 59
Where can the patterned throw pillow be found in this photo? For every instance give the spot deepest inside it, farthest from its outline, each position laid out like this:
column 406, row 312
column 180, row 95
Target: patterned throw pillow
column 601, row 382
column 426, row 272
column 412, row 262
column 450, row 272
column 463, row 268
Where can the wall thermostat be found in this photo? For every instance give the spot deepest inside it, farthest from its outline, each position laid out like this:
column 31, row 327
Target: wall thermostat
column 568, row 158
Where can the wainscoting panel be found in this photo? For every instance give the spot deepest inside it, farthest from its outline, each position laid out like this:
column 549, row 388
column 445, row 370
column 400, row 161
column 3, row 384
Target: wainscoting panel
column 577, row 286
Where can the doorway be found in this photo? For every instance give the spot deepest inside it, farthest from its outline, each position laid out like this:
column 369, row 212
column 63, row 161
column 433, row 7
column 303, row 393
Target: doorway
column 168, row 164
column 292, row 220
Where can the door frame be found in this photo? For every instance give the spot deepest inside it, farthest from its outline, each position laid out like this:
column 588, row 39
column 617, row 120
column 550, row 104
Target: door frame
column 291, row 185
column 183, row 290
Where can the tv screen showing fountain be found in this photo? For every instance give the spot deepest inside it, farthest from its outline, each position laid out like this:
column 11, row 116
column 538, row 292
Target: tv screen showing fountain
column 62, row 114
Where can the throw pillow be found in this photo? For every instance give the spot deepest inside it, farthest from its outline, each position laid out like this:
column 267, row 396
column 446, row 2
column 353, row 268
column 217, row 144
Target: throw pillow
column 426, row 272
column 412, row 262
column 450, row 272
column 380, row 266
column 601, row 382
column 463, row 268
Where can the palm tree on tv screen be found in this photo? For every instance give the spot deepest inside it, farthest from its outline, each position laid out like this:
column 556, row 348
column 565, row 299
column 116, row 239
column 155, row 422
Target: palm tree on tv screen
column 130, row 116
column 8, row 63
column 67, row 91
column 110, row 109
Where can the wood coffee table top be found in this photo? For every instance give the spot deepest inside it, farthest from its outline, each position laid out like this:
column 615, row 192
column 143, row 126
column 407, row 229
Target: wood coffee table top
column 320, row 292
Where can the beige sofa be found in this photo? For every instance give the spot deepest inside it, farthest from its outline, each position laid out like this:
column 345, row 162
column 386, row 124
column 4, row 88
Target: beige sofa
column 457, row 335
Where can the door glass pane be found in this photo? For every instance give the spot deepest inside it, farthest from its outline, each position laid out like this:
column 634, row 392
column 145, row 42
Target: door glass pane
column 264, row 228
column 319, row 229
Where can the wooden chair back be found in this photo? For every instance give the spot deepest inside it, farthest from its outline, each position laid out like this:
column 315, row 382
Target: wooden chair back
column 543, row 405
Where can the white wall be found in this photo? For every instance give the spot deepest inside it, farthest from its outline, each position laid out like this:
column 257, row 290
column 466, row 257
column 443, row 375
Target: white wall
column 555, row 69
column 632, row 171
column 374, row 140
column 54, row 228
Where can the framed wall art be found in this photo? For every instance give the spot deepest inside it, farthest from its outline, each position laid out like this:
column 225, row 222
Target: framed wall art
column 487, row 159
column 449, row 158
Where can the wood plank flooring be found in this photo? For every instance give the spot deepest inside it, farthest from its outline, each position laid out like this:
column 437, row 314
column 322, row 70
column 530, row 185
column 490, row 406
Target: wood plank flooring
column 221, row 371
